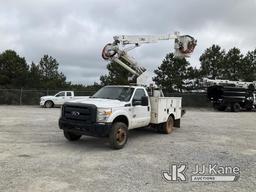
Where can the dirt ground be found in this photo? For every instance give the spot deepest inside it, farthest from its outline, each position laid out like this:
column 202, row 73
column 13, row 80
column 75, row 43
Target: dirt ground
column 34, row 155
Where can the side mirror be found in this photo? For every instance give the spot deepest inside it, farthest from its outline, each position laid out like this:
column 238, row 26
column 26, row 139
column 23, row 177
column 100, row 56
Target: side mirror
column 144, row 101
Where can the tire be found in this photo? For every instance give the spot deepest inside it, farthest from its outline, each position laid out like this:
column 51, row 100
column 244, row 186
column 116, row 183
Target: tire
column 222, row 108
column 236, row 107
column 168, row 126
column 219, row 107
column 48, row 104
column 71, row 136
column 118, row 135
column 249, row 109
column 215, row 106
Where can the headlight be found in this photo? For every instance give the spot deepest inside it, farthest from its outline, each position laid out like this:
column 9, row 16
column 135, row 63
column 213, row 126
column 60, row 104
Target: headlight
column 103, row 114
column 42, row 99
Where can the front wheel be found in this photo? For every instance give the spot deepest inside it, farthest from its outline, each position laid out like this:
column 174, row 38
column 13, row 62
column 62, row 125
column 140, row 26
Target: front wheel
column 118, row 135
column 249, row 109
column 48, row 104
column 71, row 136
column 219, row 107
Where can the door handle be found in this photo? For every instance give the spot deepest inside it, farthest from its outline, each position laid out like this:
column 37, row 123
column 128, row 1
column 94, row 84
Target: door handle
column 148, row 108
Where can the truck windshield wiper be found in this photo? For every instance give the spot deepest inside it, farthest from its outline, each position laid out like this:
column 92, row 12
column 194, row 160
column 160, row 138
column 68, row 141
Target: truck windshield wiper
column 111, row 98
column 101, row 97
column 105, row 98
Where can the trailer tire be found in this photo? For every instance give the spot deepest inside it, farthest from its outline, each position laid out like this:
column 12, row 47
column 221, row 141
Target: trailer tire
column 48, row 104
column 236, row 107
column 118, row 135
column 71, row 136
column 168, row 126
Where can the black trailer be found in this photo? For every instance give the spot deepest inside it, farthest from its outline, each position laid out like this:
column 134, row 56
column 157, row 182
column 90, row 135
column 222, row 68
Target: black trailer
column 233, row 98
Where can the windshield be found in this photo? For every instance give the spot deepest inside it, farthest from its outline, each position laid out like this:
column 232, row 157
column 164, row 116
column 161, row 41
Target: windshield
column 119, row 93
column 60, row 94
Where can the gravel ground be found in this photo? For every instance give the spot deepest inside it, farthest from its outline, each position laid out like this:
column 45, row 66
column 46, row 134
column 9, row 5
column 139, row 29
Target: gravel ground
column 34, row 155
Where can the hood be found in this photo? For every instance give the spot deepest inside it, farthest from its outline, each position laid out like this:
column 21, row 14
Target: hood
column 47, row 97
column 101, row 103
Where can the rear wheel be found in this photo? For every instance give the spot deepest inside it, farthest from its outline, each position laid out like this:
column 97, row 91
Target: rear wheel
column 236, row 107
column 168, row 126
column 71, row 136
column 48, row 104
column 118, row 135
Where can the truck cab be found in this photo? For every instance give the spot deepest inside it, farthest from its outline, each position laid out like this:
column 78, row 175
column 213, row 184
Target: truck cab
column 114, row 110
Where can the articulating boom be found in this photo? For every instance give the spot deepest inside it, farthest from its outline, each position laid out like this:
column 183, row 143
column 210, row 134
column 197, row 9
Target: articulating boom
column 117, row 51
column 240, row 84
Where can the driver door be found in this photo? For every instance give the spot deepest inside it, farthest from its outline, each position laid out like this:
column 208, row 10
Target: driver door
column 140, row 114
column 59, row 98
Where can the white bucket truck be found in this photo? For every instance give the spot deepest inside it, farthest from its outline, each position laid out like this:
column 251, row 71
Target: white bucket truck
column 114, row 110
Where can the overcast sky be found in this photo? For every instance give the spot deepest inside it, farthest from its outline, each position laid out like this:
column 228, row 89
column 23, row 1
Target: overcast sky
column 74, row 32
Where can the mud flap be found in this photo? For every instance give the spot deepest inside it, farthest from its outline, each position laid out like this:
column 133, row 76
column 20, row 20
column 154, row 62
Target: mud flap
column 183, row 111
column 177, row 123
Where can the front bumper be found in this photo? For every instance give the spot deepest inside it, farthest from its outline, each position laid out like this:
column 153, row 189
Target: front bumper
column 42, row 103
column 95, row 129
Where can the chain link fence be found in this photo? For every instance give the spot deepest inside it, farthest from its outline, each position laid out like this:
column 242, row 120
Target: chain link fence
column 32, row 97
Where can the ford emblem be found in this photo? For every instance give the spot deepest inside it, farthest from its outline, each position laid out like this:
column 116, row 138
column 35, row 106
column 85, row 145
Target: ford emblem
column 75, row 113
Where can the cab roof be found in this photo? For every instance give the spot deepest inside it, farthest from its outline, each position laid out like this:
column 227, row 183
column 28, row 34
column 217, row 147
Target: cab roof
column 131, row 86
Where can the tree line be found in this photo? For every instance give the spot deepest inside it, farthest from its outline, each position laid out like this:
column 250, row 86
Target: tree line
column 15, row 72
column 175, row 74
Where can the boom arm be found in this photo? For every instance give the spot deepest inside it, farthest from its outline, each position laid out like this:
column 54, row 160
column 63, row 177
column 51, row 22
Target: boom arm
column 242, row 84
column 141, row 39
column 118, row 50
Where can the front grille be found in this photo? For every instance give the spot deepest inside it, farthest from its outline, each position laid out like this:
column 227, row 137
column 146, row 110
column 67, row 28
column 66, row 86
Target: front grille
column 80, row 112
